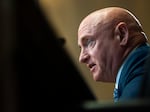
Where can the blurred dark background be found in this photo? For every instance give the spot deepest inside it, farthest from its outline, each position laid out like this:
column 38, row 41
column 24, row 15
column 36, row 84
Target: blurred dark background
column 37, row 73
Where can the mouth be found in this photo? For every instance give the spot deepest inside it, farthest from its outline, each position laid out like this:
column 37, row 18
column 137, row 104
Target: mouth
column 92, row 67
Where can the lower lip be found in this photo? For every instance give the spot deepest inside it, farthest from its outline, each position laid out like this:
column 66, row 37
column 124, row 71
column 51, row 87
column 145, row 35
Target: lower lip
column 92, row 69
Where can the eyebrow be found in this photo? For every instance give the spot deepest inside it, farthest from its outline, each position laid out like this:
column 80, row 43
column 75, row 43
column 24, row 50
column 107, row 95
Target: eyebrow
column 83, row 38
column 81, row 41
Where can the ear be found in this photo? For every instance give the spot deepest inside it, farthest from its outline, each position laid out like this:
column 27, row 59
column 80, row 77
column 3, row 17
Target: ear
column 122, row 33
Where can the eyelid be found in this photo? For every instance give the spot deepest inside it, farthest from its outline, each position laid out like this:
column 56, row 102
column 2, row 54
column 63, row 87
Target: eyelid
column 91, row 42
column 88, row 41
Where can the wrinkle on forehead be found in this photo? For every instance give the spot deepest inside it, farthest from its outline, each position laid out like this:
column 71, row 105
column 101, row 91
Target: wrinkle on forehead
column 94, row 18
column 90, row 23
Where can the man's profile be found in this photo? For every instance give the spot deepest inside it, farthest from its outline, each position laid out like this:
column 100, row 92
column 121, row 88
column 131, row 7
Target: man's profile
column 115, row 48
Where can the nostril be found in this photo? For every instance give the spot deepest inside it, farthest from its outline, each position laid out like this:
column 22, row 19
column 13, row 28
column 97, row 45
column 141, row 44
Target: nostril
column 83, row 58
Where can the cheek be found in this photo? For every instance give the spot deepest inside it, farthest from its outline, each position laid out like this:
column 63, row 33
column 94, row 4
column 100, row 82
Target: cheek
column 98, row 56
column 101, row 57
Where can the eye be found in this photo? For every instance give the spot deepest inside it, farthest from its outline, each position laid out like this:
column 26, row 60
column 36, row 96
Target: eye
column 90, row 43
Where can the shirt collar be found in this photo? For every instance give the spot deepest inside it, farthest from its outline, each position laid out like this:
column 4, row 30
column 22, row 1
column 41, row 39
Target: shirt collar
column 118, row 76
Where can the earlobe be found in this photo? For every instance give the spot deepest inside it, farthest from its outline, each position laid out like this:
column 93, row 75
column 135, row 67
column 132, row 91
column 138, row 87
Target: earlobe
column 122, row 33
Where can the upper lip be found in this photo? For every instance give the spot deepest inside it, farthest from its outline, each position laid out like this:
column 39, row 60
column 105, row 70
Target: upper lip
column 90, row 65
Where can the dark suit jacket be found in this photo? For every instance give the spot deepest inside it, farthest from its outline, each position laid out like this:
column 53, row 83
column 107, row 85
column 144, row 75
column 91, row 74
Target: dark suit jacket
column 133, row 72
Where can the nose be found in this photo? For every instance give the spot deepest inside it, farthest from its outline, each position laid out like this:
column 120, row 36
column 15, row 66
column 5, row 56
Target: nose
column 83, row 57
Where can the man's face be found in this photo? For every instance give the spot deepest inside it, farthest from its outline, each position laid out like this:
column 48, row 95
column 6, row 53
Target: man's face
column 97, row 50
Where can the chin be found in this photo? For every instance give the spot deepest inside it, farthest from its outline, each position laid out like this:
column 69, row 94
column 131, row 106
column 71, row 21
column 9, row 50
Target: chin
column 99, row 77
column 96, row 77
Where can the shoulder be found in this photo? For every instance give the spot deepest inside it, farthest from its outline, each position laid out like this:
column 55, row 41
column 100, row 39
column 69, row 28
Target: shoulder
column 134, row 66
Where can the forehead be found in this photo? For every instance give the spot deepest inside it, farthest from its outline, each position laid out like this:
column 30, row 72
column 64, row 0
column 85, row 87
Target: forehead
column 87, row 28
column 85, row 31
column 90, row 22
